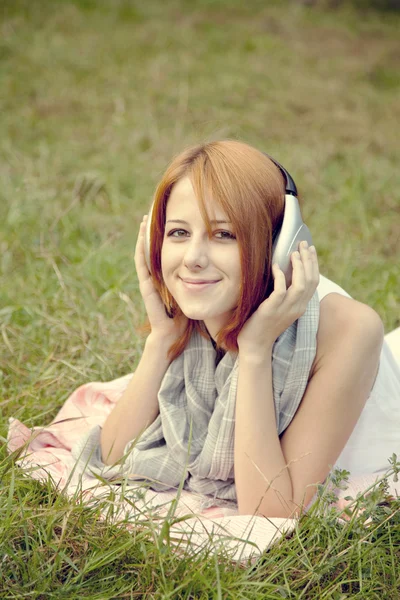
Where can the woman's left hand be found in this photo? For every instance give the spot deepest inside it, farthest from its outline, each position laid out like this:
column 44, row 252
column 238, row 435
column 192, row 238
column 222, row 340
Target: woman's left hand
column 283, row 306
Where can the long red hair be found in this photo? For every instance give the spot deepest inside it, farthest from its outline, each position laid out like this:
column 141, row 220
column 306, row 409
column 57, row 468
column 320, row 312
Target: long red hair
column 250, row 189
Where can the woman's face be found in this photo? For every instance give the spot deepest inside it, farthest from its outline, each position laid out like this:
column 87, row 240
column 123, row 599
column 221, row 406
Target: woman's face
column 202, row 274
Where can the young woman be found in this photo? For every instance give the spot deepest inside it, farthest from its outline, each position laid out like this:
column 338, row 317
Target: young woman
column 248, row 389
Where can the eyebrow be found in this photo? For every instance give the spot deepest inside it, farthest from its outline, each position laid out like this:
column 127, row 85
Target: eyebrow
column 218, row 221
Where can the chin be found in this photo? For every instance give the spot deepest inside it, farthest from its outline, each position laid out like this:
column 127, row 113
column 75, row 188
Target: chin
column 200, row 314
column 195, row 315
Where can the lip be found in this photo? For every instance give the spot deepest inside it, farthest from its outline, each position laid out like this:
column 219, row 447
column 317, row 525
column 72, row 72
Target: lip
column 201, row 284
column 199, row 281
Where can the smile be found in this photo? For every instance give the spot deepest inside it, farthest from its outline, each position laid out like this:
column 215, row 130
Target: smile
column 198, row 285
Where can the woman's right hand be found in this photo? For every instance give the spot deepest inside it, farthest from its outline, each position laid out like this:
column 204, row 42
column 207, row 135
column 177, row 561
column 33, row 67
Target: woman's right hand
column 161, row 324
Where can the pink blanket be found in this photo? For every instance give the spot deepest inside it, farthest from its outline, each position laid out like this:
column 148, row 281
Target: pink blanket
column 46, row 451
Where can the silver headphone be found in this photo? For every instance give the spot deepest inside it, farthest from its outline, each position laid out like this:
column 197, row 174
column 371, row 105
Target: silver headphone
column 293, row 230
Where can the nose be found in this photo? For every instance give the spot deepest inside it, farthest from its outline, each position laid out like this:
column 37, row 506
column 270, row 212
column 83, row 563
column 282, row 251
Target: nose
column 196, row 254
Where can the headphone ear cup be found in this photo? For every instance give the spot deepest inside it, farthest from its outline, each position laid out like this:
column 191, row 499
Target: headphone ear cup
column 292, row 232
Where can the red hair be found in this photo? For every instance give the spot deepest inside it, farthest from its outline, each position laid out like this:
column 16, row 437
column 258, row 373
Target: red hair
column 250, row 189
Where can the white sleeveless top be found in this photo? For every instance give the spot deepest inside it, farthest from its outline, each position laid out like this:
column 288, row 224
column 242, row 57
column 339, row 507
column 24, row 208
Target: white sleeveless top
column 376, row 435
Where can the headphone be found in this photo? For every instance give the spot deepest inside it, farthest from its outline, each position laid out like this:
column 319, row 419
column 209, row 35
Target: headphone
column 293, row 230
column 286, row 239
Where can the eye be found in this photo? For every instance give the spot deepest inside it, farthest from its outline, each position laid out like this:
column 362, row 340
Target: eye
column 225, row 235
column 177, row 233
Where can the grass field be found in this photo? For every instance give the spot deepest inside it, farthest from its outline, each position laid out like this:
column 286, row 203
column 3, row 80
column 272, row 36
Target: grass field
column 95, row 99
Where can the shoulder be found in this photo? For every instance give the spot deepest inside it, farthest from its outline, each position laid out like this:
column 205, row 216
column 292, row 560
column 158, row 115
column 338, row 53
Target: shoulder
column 346, row 326
column 340, row 313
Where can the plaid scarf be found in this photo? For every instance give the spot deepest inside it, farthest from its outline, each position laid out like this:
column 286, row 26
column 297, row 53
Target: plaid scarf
column 193, row 435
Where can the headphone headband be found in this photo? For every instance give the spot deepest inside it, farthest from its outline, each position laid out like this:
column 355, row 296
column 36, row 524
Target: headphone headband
column 290, row 186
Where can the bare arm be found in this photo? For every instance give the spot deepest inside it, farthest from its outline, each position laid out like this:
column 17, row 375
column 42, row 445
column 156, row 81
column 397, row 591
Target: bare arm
column 348, row 347
column 138, row 407
column 349, row 340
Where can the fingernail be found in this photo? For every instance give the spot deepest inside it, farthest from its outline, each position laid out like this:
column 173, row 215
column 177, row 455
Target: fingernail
column 312, row 249
column 304, row 244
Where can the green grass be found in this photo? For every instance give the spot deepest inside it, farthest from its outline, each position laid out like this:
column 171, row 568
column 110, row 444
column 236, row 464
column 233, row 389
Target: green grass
column 53, row 547
column 95, row 98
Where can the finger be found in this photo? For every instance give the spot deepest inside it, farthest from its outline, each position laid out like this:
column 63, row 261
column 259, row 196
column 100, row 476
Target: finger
column 140, row 239
column 279, row 292
column 314, row 260
column 301, row 290
column 310, row 263
column 298, row 286
column 307, row 260
column 140, row 260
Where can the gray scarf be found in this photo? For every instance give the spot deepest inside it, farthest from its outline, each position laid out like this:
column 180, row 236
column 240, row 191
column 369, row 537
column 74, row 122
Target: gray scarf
column 193, row 435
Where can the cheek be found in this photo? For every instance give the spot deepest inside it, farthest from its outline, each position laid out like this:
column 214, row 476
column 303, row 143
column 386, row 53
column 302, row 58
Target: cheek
column 171, row 257
column 168, row 263
column 236, row 268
